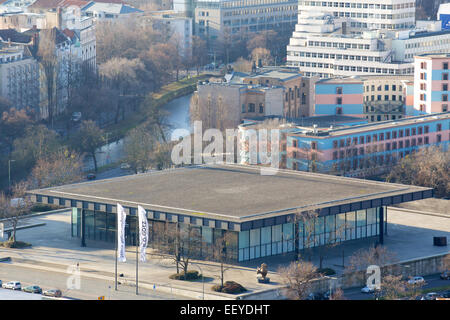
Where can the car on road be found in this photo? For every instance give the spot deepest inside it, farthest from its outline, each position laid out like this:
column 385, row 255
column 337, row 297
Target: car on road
column 14, row 285
column 125, row 166
column 416, row 280
column 52, row 293
column 0, row 283
column 445, row 294
column 430, row 296
column 91, row 176
column 32, row 289
column 367, row 289
column 445, row 275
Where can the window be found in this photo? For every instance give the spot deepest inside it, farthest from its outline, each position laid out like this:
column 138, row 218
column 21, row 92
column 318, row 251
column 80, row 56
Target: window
column 445, row 76
column 444, row 107
column 444, row 87
column 439, row 127
column 444, row 97
column 427, row 129
column 243, row 108
column 261, row 108
column 251, row 107
column 438, row 138
column 339, row 90
column 339, row 100
column 445, row 65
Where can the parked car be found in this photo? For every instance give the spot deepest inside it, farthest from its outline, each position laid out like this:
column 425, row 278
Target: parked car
column 76, row 116
column 32, row 289
column 445, row 294
column 52, row 293
column 445, row 275
column 430, row 296
column 0, row 283
column 416, row 280
column 14, row 285
column 90, row 176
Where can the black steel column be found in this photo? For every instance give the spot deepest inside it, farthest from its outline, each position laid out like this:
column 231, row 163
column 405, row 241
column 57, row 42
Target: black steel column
column 381, row 226
column 83, row 228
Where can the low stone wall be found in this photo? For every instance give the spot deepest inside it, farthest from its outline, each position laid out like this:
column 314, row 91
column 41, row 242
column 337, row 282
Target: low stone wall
column 417, row 267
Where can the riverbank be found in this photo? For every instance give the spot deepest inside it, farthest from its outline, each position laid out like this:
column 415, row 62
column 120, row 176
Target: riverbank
column 167, row 93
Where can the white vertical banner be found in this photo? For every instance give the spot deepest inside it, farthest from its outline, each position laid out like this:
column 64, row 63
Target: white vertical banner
column 121, row 217
column 143, row 232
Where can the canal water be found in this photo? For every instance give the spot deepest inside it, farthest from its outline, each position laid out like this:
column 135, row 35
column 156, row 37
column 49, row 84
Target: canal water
column 177, row 116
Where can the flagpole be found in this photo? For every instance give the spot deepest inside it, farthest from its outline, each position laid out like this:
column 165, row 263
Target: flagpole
column 117, row 235
column 137, row 256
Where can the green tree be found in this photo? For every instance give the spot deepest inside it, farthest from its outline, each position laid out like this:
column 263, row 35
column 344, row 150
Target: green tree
column 138, row 147
column 88, row 139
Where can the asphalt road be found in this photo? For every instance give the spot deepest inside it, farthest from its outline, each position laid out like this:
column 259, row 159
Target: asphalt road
column 432, row 281
column 90, row 288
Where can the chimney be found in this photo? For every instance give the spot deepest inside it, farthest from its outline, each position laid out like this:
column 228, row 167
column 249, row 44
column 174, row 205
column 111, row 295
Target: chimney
column 58, row 17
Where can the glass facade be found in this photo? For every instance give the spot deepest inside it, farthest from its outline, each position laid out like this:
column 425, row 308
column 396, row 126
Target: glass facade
column 244, row 245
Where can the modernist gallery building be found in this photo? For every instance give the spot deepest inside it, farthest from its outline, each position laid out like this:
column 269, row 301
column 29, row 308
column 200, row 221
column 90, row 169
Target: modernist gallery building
column 262, row 215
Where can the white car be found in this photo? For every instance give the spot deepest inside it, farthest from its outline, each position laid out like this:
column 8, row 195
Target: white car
column 416, row 280
column 14, row 285
column 366, row 289
column 125, row 166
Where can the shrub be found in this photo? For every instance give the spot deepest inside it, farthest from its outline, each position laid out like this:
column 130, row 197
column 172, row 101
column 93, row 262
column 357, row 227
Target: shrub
column 229, row 287
column 15, row 245
column 190, row 275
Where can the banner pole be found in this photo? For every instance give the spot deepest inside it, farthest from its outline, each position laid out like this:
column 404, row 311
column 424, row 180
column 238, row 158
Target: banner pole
column 137, row 255
column 117, row 235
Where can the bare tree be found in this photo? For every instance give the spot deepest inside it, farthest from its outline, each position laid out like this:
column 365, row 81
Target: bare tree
column 182, row 242
column 14, row 207
column 298, row 276
column 219, row 253
column 62, row 167
column 48, row 59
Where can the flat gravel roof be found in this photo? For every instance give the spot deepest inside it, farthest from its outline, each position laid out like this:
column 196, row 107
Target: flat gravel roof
column 232, row 192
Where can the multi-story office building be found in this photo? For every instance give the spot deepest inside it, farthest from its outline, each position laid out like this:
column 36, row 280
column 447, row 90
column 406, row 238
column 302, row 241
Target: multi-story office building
column 431, row 83
column 358, row 150
column 216, row 18
column 359, row 37
column 365, row 150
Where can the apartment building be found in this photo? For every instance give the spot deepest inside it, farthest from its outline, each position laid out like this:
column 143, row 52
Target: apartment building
column 431, row 83
column 19, row 77
column 360, row 37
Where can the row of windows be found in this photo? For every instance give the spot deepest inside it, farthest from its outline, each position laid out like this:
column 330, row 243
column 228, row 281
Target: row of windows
column 377, row 16
column 336, row 45
column 353, row 152
column 252, row 108
column 262, row 10
column 329, row 4
column 384, row 136
column 387, row 87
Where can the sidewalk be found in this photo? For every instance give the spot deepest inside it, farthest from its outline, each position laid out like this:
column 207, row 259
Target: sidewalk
column 55, row 250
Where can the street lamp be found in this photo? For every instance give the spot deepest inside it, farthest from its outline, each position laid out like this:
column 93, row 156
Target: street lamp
column 9, row 173
column 203, row 279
